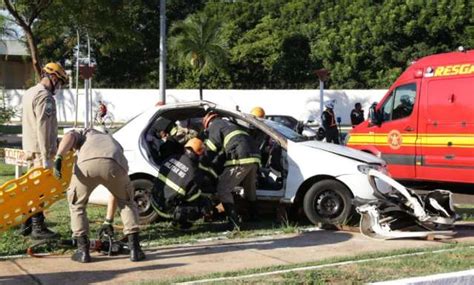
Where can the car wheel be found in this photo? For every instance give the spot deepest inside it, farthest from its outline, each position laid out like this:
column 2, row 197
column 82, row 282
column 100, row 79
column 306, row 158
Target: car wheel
column 143, row 188
column 328, row 202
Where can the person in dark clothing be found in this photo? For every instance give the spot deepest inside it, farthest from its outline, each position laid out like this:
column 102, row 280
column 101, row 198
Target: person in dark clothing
column 240, row 163
column 164, row 143
column 357, row 115
column 329, row 123
column 178, row 189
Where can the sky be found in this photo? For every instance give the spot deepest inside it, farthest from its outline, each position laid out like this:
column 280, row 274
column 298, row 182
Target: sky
column 12, row 24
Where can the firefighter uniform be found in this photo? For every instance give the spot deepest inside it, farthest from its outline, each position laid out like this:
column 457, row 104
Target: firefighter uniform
column 241, row 159
column 100, row 160
column 40, row 126
column 178, row 188
column 330, row 126
column 357, row 117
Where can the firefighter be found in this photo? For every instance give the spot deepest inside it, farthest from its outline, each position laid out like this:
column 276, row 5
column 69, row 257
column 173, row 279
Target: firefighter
column 258, row 112
column 100, row 160
column 177, row 191
column 357, row 115
column 240, row 162
column 329, row 123
column 40, row 133
column 164, row 143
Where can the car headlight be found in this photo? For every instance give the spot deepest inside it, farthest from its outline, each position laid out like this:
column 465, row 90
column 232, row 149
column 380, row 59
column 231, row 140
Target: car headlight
column 364, row 168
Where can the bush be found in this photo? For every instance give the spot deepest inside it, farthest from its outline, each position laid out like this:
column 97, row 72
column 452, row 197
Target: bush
column 6, row 112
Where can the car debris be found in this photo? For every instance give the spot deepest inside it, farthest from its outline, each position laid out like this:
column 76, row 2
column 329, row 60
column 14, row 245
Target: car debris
column 399, row 212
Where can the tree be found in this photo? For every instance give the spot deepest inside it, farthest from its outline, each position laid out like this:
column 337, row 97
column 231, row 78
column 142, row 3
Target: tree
column 5, row 30
column 25, row 13
column 199, row 41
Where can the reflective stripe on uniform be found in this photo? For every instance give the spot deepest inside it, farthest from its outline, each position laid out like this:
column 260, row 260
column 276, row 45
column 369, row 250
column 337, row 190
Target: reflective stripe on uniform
column 210, row 145
column 171, row 184
column 208, row 169
column 174, row 131
column 233, row 134
column 241, row 161
column 194, row 197
column 157, row 210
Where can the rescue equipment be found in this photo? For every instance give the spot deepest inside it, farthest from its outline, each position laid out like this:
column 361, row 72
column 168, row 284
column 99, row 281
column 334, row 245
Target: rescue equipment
column 32, row 193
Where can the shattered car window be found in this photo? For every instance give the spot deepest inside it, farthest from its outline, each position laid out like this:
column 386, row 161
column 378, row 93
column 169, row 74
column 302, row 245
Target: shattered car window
column 285, row 131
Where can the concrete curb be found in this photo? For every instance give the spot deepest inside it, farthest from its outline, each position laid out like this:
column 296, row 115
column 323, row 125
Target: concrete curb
column 460, row 277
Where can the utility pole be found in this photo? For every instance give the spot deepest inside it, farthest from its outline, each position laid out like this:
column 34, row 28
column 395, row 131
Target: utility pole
column 162, row 52
column 322, row 75
column 77, row 78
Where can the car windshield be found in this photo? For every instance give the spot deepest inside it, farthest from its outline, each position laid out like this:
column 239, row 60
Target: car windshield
column 285, row 131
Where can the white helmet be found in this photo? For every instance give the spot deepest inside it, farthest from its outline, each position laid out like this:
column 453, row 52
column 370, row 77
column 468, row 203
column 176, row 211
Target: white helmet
column 330, row 104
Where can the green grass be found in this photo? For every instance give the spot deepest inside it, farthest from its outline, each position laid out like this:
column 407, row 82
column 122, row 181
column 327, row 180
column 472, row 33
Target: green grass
column 466, row 211
column 7, row 172
column 459, row 257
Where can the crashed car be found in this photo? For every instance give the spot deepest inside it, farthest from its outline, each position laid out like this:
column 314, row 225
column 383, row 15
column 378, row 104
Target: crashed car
column 321, row 178
column 398, row 212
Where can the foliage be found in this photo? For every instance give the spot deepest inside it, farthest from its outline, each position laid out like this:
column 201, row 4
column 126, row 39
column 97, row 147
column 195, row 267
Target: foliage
column 5, row 29
column 270, row 43
column 6, row 111
column 199, row 41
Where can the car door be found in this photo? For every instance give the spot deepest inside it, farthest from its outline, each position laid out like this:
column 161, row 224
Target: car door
column 395, row 137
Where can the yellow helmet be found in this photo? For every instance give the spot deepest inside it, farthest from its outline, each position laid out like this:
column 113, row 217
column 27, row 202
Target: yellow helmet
column 258, row 112
column 196, row 145
column 56, row 69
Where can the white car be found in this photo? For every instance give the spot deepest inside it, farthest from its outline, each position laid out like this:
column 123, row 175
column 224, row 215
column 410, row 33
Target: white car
column 322, row 178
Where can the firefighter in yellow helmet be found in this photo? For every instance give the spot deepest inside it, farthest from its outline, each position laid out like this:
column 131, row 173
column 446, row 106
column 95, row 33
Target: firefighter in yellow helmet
column 40, row 133
column 258, row 112
column 179, row 185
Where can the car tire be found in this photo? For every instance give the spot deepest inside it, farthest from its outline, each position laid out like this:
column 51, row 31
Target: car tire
column 142, row 197
column 328, row 202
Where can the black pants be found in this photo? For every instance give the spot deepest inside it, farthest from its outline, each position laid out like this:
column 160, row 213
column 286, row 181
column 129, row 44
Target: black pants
column 332, row 135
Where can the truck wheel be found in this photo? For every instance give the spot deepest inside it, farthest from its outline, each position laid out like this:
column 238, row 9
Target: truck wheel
column 143, row 188
column 328, row 202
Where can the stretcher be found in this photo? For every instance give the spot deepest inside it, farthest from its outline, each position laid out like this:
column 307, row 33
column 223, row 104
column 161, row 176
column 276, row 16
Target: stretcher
column 32, row 193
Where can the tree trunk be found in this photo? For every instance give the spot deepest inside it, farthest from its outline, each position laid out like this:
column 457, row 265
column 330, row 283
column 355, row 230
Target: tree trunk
column 34, row 52
column 26, row 23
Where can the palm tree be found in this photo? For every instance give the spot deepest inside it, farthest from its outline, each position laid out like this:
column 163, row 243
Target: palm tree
column 199, row 40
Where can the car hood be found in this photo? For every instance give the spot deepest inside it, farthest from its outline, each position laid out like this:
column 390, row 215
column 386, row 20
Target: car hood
column 344, row 151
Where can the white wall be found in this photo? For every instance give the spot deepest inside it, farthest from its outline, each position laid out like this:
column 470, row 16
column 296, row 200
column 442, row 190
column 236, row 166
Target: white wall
column 301, row 104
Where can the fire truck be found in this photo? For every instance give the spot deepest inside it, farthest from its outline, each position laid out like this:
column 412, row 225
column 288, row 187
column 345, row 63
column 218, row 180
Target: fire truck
column 424, row 126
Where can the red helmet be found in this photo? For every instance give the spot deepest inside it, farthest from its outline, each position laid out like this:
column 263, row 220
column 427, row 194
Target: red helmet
column 208, row 118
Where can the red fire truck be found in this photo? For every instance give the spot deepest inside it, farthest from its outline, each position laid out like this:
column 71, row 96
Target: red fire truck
column 424, row 125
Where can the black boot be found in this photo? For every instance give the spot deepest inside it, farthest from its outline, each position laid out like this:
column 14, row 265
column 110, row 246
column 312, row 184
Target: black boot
column 25, row 228
column 136, row 253
column 39, row 228
column 233, row 220
column 82, row 253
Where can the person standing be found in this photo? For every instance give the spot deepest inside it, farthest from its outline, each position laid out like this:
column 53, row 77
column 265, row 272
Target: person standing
column 357, row 115
column 40, row 133
column 329, row 123
column 101, row 112
column 240, row 158
column 100, row 161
